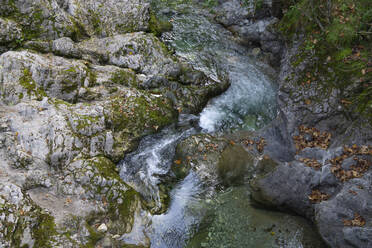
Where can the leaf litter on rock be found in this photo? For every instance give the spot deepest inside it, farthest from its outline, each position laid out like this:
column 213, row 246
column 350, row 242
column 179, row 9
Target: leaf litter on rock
column 311, row 137
column 358, row 169
column 316, row 196
column 311, row 163
column 357, row 221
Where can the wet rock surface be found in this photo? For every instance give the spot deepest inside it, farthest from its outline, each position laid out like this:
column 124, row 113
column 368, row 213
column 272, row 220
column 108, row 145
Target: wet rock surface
column 253, row 22
column 217, row 161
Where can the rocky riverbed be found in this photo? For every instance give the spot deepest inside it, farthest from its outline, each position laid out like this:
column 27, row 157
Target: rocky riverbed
column 102, row 143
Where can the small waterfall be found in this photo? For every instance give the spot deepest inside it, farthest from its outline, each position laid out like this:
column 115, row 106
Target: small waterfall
column 144, row 168
column 178, row 224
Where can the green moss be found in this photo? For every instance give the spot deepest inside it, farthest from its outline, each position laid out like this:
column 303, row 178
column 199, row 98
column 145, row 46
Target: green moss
column 71, row 69
column 77, row 30
column 157, row 25
column 124, row 211
column 27, row 82
column 343, row 54
column 95, row 21
column 124, row 77
column 93, row 237
column 341, row 34
column 68, row 86
column 106, row 168
column 92, row 78
column 84, row 121
column 137, row 114
column 258, row 4
column 57, row 102
column 44, row 231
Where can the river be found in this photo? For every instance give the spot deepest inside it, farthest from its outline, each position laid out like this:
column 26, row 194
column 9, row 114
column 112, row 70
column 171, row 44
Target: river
column 228, row 219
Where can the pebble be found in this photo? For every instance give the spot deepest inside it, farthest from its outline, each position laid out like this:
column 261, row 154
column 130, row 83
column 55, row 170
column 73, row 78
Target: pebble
column 102, row 228
column 116, row 236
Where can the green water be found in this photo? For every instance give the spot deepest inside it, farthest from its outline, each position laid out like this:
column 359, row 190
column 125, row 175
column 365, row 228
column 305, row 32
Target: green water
column 232, row 221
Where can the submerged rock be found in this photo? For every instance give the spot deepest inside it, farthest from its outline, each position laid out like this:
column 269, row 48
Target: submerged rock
column 233, row 221
column 217, row 161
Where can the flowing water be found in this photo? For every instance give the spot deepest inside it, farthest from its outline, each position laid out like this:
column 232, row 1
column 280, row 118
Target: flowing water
column 248, row 104
column 250, row 101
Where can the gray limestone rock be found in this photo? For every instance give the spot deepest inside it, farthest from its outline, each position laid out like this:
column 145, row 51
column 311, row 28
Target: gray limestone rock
column 106, row 18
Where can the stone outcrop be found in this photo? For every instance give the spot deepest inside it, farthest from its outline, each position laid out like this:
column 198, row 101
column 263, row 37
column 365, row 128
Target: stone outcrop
column 84, row 85
column 253, row 22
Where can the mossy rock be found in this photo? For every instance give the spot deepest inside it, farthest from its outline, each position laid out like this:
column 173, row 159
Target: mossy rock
column 133, row 117
column 159, row 25
column 31, row 87
column 265, row 167
column 235, row 165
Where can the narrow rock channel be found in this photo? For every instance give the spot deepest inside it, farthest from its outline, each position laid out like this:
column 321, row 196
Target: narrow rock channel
column 198, row 216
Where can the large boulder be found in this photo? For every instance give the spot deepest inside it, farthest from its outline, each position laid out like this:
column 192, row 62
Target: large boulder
column 156, row 69
column 50, row 20
column 253, row 22
column 217, row 161
column 332, row 187
column 56, row 156
column 106, row 18
column 29, row 75
column 71, row 109
column 39, row 19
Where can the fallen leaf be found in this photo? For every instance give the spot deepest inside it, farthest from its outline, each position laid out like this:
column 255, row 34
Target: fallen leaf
column 357, row 221
column 316, row 196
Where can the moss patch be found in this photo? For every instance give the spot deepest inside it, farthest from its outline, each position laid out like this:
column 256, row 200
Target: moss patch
column 44, row 231
column 93, row 238
column 30, row 85
column 125, row 77
column 106, row 168
column 158, row 25
column 141, row 114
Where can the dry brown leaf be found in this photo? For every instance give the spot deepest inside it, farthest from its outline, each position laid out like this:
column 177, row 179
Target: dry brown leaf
column 357, row 221
column 316, row 196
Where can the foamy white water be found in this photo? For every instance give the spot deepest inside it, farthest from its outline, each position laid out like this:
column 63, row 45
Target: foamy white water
column 176, row 226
